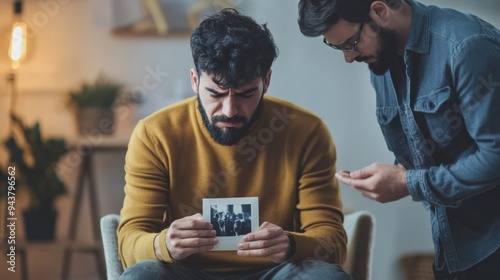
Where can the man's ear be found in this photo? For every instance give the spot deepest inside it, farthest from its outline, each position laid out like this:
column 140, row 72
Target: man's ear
column 380, row 13
column 195, row 79
column 267, row 81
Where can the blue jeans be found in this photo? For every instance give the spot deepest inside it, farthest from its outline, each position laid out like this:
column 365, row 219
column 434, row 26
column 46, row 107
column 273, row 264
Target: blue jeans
column 304, row 270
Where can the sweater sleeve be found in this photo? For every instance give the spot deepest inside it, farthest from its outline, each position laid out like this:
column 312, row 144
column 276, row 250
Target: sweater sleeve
column 321, row 235
column 145, row 204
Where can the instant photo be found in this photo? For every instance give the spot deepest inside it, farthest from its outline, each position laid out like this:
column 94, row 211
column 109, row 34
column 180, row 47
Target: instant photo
column 232, row 218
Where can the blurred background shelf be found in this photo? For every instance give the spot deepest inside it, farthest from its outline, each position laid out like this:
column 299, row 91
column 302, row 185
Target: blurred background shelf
column 149, row 33
column 48, row 249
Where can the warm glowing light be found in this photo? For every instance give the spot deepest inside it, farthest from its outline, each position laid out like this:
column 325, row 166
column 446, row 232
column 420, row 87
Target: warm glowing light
column 17, row 47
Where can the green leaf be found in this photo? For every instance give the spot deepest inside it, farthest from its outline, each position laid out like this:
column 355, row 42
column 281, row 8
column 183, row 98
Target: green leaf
column 103, row 92
column 39, row 175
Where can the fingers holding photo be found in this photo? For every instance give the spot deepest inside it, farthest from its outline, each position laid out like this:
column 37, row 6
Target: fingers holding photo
column 269, row 241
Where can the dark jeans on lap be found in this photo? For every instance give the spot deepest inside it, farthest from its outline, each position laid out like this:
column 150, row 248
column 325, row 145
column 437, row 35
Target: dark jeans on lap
column 487, row 269
column 304, row 270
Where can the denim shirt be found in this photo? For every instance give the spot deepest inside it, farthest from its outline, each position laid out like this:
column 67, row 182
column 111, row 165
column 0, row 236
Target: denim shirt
column 442, row 122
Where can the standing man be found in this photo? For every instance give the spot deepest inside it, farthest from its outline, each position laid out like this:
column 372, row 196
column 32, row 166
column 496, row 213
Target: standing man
column 231, row 141
column 436, row 73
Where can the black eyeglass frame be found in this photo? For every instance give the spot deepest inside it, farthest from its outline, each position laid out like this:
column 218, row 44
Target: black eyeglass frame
column 347, row 45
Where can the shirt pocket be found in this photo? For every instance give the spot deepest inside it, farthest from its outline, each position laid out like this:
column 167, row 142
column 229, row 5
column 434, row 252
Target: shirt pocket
column 390, row 124
column 437, row 111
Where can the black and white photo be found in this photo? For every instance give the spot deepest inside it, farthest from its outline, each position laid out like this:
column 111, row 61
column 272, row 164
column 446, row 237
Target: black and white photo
column 231, row 218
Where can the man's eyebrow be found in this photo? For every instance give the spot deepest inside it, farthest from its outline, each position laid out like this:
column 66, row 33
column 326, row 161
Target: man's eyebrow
column 225, row 92
column 247, row 91
column 214, row 91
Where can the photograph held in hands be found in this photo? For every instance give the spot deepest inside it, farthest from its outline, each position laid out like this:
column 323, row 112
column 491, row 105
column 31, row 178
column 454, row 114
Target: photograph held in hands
column 232, row 218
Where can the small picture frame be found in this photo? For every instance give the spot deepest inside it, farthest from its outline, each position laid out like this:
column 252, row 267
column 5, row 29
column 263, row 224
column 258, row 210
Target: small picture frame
column 232, row 218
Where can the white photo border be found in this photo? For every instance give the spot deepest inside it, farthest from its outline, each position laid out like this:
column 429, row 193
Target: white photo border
column 230, row 243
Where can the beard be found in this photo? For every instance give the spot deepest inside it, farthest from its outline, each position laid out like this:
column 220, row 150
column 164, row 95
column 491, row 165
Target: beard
column 386, row 52
column 229, row 136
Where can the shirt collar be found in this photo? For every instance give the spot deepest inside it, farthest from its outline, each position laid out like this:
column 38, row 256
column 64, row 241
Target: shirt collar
column 418, row 41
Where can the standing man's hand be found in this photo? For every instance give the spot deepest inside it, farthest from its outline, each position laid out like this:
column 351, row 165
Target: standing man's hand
column 269, row 241
column 382, row 182
column 190, row 235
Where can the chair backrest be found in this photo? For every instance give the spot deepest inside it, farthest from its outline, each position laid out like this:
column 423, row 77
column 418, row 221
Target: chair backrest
column 109, row 224
column 360, row 227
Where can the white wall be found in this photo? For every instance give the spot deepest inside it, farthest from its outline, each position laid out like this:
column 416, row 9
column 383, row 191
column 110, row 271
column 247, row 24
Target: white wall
column 72, row 42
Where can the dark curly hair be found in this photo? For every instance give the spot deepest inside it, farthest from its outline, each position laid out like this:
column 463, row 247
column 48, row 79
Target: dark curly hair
column 317, row 16
column 233, row 48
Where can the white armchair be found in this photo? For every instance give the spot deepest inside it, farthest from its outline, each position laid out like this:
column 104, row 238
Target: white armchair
column 359, row 227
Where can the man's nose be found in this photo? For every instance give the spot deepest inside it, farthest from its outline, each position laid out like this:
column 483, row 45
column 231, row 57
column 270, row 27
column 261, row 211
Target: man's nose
column 229, row 106
column 350, row 56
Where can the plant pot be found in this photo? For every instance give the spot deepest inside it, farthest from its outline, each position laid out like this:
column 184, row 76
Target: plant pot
column 40, row 224
column 95, row 120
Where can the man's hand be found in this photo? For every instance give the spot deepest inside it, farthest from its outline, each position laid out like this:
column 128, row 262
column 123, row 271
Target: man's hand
column 381, row 182
column 269, row 241
column 190, row 235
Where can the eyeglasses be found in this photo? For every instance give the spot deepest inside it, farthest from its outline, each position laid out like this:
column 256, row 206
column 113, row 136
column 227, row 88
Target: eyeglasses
column 350, row 45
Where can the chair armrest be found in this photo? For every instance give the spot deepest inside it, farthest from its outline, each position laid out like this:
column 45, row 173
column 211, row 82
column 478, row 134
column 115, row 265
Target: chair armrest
column 109, row 224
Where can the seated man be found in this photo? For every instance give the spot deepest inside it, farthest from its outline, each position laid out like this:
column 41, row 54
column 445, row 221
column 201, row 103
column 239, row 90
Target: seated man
column 231, row 141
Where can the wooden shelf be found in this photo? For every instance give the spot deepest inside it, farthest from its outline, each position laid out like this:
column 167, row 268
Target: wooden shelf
column 149, row 33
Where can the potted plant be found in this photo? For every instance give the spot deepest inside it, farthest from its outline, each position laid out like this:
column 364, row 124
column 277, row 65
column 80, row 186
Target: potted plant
column 34, row 160
column 94, row 103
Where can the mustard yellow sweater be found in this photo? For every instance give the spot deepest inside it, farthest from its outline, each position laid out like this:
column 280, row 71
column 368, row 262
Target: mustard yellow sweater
column 287, row 161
